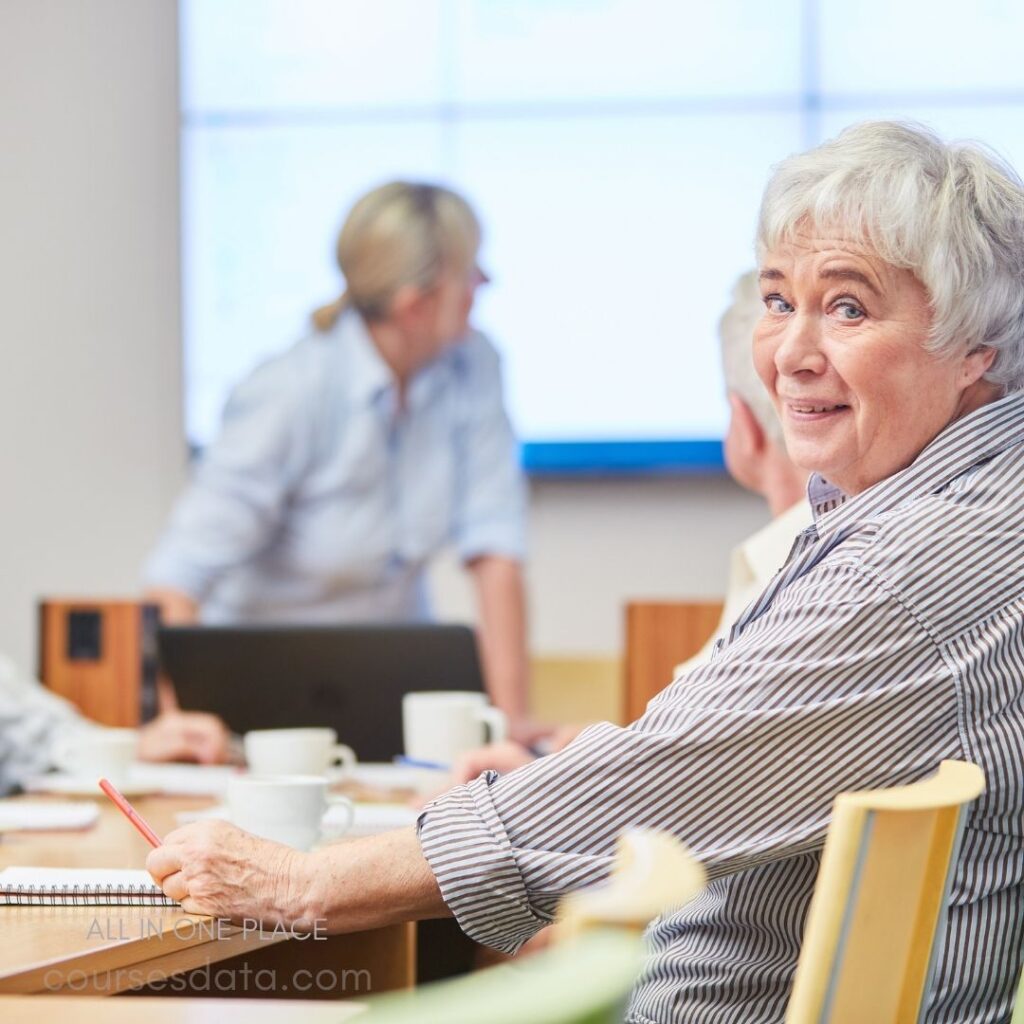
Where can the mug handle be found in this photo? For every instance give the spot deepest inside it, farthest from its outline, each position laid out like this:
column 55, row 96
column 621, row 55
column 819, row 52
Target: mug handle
column 336, row 800
column 495, row 721
column 343, row 757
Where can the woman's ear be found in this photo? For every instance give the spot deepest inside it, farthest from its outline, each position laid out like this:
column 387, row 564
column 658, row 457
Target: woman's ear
column 745, row 443
column 976, row 364
column 407, row 305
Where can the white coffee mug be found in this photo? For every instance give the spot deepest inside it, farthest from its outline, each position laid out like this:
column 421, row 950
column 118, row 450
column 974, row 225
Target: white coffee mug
column 288, row 809
column 296, row 752
column 437, row 727
column 97, row 753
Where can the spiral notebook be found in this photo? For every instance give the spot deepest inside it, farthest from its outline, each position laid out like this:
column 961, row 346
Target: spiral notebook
column 84, row 887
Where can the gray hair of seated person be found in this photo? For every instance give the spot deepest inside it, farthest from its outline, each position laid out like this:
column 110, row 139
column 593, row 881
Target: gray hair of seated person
column 401, row 233
column 736, row 334
column 951, row 213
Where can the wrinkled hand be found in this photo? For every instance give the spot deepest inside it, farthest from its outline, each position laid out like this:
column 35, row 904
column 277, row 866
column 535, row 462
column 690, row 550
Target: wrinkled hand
column 176, row 607
column 526, row 730
column 501, row 757
column 184, row 736
column 563, row 736
column 213, row 868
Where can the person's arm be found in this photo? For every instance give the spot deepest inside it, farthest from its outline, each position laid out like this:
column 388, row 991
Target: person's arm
column 33, row 724
column 236, row 499
column 176, row 607
column 185, row 736
column 489, row 527
column 501, row 598
column 214, row 868
column 740, row 759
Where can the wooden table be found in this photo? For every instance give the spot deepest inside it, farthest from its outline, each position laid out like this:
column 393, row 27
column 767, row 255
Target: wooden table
column 92, row 1010
column 107, row 950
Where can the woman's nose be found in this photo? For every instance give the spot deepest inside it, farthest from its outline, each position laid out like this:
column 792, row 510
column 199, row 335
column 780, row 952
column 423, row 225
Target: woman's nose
column 799, row 350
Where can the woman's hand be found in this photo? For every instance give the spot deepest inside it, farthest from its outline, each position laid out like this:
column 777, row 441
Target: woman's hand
column 499, row 757
column 176, row 607
column 213, row 868
column 184, row 736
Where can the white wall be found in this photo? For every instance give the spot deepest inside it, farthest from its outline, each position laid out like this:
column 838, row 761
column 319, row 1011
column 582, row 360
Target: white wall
column 90, row 421
column 91, row 448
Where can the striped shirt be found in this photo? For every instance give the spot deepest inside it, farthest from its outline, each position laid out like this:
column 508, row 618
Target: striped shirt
column 34, row 723
column 893, row 637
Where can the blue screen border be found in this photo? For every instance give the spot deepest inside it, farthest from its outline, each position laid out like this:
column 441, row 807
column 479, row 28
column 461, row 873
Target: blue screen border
column 590, row 458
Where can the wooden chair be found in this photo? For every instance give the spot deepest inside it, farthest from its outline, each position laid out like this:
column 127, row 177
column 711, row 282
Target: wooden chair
column 659, row 635
column 587, row 977
column 1018, row 1006
column 880, row 901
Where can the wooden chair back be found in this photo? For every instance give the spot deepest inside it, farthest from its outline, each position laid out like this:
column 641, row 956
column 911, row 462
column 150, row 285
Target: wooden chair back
column 1018, row 1006
column 660, row 635
column 878, row 910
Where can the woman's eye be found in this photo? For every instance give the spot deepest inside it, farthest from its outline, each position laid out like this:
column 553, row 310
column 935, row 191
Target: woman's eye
column 777, row 304
column 849, row 311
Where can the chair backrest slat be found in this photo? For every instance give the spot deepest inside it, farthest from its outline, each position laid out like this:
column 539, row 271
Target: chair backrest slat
column 878, row 907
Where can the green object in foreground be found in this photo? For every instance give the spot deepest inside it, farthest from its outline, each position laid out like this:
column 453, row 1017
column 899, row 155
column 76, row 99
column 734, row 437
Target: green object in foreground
column 586, row 981
column 1018, row 1009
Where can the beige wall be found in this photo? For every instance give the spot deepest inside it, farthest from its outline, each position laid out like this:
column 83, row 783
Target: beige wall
column 90, row 421
column 597, row 543
column 91, row 448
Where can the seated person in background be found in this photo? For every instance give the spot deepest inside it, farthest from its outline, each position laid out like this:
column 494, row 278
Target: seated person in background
column 755, row 455
column 34, row 722
column 892, row 344
column 346, row 463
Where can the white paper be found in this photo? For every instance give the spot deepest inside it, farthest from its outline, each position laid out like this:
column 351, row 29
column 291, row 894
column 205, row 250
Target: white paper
column 46, row 816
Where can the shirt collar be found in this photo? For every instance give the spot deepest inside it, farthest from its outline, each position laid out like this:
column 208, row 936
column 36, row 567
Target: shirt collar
column 370, row 376
column 962, row 444
column 765, row 551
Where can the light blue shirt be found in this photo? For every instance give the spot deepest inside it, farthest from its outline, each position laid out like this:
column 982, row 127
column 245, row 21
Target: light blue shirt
column 320, row 501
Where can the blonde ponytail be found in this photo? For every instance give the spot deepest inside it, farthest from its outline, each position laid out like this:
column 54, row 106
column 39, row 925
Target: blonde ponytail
column 402, row 233
column 325, row 317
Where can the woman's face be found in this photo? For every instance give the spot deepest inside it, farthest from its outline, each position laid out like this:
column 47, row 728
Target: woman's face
column 453, row 303
column 841, row 349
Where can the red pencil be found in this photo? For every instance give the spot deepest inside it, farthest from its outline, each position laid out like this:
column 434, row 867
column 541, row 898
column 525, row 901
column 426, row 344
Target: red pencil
column 130, row 813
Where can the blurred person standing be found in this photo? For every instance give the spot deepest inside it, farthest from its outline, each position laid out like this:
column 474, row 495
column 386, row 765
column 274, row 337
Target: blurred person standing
column 346, row 463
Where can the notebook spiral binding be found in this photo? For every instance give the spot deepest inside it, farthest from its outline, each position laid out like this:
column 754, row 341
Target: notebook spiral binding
column 84, row 896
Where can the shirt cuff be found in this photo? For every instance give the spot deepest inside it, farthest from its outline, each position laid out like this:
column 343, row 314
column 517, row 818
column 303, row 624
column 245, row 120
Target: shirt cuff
column 466, row 845
column 480, row 542
column 167, row 569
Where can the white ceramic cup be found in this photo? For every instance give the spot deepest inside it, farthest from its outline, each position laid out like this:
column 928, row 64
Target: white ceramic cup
column 296, row 751
column 97, row 753
column 288, row 809
column 438, row 727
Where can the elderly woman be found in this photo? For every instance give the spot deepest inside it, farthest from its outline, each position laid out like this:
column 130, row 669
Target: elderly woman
column 893, row 344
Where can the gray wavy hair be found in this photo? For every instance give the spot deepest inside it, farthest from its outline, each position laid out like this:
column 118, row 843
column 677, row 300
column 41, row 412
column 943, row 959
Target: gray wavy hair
column 952, row 213
column 736, row 334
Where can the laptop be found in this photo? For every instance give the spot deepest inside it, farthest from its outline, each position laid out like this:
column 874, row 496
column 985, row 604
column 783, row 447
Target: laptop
column 351, row 678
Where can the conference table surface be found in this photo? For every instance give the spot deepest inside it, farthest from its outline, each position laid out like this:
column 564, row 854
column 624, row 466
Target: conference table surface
column 155, row 1010
column 105, row 950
